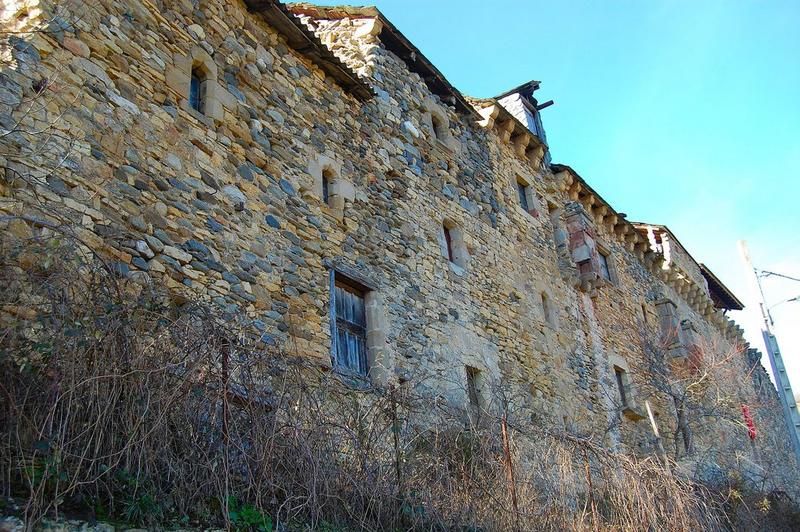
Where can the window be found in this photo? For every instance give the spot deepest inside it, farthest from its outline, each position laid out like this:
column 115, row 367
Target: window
column 473, row 387
column 350, row 351
column 559, row 233
column 605, row 272
column 326, row 182
column 439, row 129
column 330, row 186
column 197, row 90
column 522, row 193
column 671, row 331
column 525, row 195
column 452, row 243
column 644, row 313
column 448, row 239
column 549, row 316
column 619, row 373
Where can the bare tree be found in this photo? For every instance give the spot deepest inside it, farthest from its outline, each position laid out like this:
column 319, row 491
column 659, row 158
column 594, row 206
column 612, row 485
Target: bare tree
column 702, row 382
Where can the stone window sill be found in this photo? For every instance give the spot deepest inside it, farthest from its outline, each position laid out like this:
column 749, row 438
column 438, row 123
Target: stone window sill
column 197, row 115
column 456, row 269
column 353, row 380
column 633, row 413
column 441, row 146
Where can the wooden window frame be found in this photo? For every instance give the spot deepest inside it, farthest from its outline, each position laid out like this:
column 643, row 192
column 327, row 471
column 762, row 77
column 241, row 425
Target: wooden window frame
column 337, row 280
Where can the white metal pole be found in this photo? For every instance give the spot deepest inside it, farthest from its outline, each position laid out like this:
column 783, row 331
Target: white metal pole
column 782, row 383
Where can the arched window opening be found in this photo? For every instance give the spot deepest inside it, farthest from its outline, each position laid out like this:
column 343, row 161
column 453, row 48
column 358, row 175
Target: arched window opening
column 197, row 90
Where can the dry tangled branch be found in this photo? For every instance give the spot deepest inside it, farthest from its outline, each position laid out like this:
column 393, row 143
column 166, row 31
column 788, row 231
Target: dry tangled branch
column 119, row 404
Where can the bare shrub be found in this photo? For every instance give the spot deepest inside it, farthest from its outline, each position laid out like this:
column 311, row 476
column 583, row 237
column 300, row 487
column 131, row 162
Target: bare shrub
column 118, row 402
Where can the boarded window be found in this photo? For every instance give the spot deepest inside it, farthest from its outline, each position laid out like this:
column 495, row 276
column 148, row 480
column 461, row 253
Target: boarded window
column 351, row 328
column 620, row 376
column 196, row 90
column 605, row 272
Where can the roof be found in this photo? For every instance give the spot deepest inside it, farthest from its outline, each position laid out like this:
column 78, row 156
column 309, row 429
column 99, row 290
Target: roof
column 394, row 41
column 526, row 89
column 302, row 39
column 556, row 168
column 720, row 294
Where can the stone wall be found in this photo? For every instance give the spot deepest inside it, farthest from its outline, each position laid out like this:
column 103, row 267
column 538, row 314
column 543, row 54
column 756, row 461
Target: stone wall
column 227, row 206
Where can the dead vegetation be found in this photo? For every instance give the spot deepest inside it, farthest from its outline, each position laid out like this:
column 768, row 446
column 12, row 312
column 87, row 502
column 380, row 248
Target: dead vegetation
column 118, row 404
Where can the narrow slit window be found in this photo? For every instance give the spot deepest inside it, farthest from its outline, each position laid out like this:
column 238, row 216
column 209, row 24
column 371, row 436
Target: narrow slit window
column 448, row 238
column 473, row 390
column 644, row 314
column 326, row 183
column 351, row 328
column 547, row 310
column 559, row 235
column 452, row 244
column 620, row 376
column 196, row 91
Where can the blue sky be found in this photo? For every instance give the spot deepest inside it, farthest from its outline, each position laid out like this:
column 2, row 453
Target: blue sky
column 683, row 113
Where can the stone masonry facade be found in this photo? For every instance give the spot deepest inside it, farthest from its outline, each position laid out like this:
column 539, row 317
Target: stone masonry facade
column 257, row 155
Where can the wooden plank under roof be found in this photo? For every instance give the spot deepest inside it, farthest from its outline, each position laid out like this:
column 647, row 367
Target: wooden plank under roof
column 303, row 40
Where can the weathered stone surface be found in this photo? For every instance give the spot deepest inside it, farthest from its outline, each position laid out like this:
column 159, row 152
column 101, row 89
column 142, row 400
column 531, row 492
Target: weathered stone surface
column 177, row 254
column 226, row 206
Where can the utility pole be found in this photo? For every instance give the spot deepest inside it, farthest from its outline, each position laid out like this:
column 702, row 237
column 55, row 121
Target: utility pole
column 782, row 383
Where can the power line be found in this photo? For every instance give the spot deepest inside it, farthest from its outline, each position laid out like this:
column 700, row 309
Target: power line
column 765, row 273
